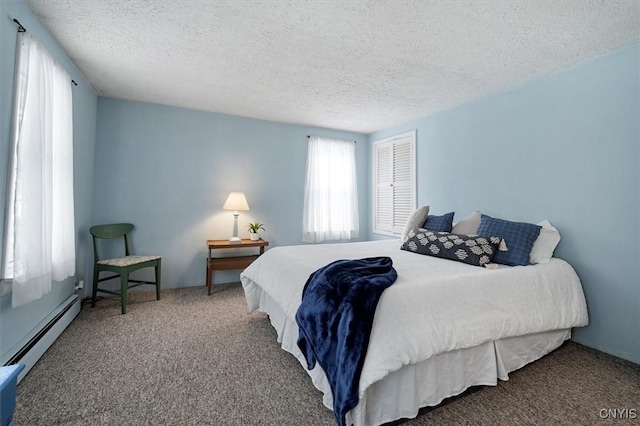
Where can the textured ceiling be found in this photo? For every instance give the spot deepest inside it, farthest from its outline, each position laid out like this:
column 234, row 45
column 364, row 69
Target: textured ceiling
column 352, row 65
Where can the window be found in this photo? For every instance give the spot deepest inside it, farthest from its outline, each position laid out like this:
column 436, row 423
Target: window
column 39, row 240
column 331, row 191
column 394, row 174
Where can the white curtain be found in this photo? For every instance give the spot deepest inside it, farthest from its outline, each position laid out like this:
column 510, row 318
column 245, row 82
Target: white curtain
column 331, row 191
column 40, row 232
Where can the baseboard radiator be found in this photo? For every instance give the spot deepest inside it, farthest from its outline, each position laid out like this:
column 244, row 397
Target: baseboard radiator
column 44, row 337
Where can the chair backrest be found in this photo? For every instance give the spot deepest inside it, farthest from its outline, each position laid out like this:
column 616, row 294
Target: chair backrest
column 113, row 230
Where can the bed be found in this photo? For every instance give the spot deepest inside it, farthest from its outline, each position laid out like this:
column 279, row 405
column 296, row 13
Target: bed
column 441, row 328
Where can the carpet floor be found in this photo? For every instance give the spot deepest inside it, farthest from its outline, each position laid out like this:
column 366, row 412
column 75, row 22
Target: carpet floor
column 190, row 359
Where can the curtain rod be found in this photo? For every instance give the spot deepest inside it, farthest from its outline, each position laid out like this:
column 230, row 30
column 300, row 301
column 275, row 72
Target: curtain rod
column 22, row 29
column 308, row 136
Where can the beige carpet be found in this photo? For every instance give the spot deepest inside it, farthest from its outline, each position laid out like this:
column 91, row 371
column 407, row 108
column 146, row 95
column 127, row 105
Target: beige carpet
column 193, row 359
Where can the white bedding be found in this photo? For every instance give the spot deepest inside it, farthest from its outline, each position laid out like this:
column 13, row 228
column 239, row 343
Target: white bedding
column 435, row 306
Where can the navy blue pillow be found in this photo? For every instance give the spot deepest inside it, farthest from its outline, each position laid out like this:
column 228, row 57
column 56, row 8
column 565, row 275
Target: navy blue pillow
column 518, row 236
column 442, row 223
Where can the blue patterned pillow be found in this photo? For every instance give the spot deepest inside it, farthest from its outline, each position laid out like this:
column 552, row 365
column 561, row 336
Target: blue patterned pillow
column 470, row 249
column 442, row 223
column 518, row 236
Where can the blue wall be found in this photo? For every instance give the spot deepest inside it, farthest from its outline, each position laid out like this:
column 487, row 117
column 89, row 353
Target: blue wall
column 16, row 323
column 169, row 170
column 566, row 148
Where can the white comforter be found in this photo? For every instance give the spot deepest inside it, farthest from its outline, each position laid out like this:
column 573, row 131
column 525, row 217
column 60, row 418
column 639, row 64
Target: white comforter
column 436, row 305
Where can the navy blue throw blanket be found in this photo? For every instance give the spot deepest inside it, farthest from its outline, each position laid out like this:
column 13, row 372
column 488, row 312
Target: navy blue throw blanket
column 335, row 319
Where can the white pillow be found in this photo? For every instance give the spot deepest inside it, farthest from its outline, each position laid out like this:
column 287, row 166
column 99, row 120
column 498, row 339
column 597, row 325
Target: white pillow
column 416, row 220
column 468, row 225
column 545, row 244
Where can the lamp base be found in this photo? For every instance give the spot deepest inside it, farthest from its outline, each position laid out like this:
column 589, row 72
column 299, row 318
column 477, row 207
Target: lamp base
column 235, row 239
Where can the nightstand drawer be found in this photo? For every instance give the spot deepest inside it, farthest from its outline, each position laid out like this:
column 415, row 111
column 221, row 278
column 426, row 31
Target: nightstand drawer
column 235, row 262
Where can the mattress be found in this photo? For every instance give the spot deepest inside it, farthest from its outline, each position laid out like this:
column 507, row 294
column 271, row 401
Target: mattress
column 436, row 307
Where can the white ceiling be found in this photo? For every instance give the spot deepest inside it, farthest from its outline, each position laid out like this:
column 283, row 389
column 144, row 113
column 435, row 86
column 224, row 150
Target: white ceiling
column 352, row 65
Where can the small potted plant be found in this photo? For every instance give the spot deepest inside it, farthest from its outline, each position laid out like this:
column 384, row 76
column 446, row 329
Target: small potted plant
column 254, row 228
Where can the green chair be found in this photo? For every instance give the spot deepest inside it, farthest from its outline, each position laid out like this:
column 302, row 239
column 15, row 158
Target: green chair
column 121, row 266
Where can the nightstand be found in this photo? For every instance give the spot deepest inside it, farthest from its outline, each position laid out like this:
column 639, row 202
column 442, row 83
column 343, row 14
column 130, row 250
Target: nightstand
column 230, row 262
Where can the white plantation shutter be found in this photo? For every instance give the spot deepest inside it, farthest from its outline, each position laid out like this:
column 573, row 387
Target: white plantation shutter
column 384, row 188
column 395, row 183
column 403, row 183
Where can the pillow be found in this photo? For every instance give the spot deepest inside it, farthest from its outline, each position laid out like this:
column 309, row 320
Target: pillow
column 519, row 237
column 545, row 244
column 468, row 225
column 473, row 250
column 416, row 219
column 442, row 223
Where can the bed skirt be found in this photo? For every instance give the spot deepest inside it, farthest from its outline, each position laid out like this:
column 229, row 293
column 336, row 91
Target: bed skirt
column 402, row 393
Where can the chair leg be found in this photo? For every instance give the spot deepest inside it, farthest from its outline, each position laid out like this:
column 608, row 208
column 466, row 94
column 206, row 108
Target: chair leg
column 158, row 278
column 124, row 284
column 95, row 287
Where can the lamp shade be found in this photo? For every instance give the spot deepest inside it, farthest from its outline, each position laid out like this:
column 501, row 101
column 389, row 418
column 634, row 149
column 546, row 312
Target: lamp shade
column 236, row 201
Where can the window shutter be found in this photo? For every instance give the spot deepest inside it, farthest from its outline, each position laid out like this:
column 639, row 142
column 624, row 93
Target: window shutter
column 395, row 186
column 384, row 188
column 403, row 184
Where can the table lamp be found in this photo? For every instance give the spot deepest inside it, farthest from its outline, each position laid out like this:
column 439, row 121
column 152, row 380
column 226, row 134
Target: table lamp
column 235, row 201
